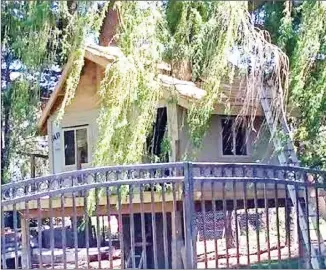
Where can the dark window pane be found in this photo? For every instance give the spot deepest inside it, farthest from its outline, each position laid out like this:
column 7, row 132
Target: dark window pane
column 154, row 141
column 227, row 137
column 82, row 146
column 240, row 141
column 69, row 146
column 159, row 130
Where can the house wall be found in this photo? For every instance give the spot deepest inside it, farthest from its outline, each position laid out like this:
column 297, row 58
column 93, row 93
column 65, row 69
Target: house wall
column 258, row 147
column 83, row 110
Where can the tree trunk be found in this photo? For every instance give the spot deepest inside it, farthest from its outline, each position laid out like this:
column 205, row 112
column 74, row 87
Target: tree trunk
column 229, row 234
column 182, row 70
column 109, row 27
column 6, row 105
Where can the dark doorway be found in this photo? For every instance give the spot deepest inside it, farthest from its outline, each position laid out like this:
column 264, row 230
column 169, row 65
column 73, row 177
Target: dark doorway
column 156, row 138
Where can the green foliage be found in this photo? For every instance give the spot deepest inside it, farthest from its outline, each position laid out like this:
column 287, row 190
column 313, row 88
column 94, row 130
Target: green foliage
column 36, row 36
column 130, row 89
column 27, row 28
column 300, row 30
column 308, row 78
column 165, row 147
column 273, row 18
column 199, row 33
column 209, row 39
column 184, row 23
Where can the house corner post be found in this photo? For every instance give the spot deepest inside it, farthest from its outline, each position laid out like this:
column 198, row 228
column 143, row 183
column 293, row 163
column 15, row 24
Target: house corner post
column 188, row 211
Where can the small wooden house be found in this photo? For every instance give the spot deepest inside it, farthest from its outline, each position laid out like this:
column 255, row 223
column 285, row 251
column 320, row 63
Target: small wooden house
column 78, row 131
column 222, row 142
column 79, row 120
column 72, row 143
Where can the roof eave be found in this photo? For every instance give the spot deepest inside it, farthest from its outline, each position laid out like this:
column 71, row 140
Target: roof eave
column 41, row 125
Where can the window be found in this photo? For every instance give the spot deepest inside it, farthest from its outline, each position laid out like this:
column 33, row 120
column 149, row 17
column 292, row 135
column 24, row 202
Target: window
column 233, row 138
column 155, row 140
column 75, row 146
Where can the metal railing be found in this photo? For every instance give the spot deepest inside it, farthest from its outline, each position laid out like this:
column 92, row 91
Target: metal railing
column 173, row 215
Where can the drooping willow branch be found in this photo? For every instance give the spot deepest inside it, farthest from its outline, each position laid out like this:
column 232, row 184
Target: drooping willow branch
column 229, row 29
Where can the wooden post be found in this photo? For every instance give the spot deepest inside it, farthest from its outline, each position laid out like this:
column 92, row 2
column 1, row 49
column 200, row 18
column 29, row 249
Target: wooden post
column 173, row 132
column 24, row 255
column 32, row 159
column 78, row 163
column 228, row 230
column 190, row 260
column 177, row 241
column 32, row 166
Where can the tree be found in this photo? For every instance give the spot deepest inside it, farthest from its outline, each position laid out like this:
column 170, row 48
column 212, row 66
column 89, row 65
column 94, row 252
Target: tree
column 299, row 28
column 37, row 38
column 194, row 36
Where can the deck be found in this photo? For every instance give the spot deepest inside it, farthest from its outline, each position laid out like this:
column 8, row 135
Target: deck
column 229, row 215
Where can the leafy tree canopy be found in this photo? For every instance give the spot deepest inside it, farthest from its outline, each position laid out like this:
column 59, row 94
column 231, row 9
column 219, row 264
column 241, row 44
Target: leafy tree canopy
column 198, row 36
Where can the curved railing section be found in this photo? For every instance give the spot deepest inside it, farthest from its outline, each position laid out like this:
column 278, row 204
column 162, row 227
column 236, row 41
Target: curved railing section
column 157, row 173
column 254, row 170
column 85, row 179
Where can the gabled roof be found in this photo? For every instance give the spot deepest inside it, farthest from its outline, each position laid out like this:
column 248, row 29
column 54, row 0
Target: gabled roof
column 92, row 53
column 104, row 56
column 184, row 91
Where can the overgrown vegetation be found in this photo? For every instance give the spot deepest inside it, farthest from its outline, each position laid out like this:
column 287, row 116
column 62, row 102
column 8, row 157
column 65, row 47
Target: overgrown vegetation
column 36, row 39
column 130, row 89
column 197, row 39
column 200, row 41
column 300, row 29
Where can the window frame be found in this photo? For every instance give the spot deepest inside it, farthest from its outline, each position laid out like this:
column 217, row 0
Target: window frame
column 75, row 128
column 234, row 137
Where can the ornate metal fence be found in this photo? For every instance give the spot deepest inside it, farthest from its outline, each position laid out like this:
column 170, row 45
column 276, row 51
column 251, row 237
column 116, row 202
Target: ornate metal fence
column 174, row 215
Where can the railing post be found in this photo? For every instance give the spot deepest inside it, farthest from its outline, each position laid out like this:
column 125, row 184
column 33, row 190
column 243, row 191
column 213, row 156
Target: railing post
column 188, row 212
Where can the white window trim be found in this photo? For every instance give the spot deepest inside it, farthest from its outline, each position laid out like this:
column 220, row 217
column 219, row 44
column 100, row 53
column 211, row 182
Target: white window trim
column 232, row 118
column 74, row 166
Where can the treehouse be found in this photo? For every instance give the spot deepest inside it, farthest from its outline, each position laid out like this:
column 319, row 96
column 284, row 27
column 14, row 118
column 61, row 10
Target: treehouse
column 78, row 129
column 73, row 140
column 167, row 217
column 77, row 132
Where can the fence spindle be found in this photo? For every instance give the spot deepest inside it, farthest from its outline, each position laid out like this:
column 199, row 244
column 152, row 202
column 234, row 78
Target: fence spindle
column 98, row 232
column 245, row 201
column 86, row 227
column 15, row 217
column 132, row 228
column 51, row 232
column 226, row 225
column 267, row 225
column 235, row 205
column 64, row 242
column 123, row 266
column 257, row 226
column 215, row 223
column 75, row 228
column 165, row 234
column 203, row 213
column 3, row 238
column 154, row 226
column 108, row 193
column 143, row 225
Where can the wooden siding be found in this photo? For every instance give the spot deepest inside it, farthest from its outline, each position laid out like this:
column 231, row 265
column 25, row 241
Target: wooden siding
column 258, row 147
column 84, row 110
